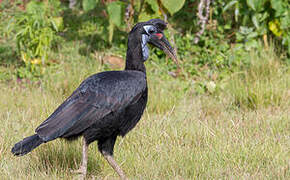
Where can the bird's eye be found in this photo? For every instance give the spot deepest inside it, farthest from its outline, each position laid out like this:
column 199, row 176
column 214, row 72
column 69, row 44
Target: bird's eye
column 151, row 31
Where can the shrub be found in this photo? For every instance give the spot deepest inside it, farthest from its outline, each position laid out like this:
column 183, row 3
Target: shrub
column 37, row 28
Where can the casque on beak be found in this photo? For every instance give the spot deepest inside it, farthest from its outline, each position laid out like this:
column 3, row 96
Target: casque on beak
column 160, row 41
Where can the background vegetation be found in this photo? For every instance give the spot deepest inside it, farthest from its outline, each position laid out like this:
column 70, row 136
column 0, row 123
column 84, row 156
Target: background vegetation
column 224, row 114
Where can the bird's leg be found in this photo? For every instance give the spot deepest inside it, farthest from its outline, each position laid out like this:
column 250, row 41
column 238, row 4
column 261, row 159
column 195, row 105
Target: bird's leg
column 83, row 169
column 106, row 147
column 114, row 165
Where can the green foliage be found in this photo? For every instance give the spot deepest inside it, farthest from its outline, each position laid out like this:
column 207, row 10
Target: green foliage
column 172, row 5
column 146, row 10
column 89, row 4
column 234, row 29
column 261, row 17
column 36, row 30
column 115, row 10
column 115, row 13
column 154, row 5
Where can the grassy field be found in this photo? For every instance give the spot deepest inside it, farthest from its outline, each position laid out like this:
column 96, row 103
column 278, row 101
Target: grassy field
column 241, row 131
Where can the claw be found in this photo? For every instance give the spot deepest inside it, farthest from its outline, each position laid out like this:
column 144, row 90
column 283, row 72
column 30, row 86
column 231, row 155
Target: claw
column 82, row 171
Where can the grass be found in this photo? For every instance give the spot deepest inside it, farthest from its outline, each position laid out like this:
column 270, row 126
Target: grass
column 239, row 129
column 239, row 132
column 265, row 82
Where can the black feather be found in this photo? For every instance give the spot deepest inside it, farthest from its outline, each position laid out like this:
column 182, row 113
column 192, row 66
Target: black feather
column 161, row 25
column 97, row 97
column 26, row 145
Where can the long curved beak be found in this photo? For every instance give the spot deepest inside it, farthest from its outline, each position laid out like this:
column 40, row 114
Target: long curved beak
column 160, row 41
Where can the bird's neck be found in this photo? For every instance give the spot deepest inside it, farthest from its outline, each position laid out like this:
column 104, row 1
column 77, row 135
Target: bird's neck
column 134, row 57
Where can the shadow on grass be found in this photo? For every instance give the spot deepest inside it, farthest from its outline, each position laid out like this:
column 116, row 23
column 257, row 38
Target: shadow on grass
column 8, row 55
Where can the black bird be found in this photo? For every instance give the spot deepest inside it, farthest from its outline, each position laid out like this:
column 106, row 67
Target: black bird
column 107, row 104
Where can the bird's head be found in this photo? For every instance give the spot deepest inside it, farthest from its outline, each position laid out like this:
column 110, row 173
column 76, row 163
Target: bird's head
column 152, row 32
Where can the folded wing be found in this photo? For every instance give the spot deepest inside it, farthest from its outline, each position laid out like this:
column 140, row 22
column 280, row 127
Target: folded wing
column 95, row 98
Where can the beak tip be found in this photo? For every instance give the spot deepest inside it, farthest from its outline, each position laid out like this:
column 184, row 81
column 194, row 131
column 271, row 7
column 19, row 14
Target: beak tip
column 174, row 56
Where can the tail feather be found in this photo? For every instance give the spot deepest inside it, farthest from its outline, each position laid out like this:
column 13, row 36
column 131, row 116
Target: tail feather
column 26, row 145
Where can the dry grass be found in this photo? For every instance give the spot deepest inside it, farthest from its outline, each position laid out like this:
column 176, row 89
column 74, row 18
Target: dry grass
column 181, row 136
column 265, row 82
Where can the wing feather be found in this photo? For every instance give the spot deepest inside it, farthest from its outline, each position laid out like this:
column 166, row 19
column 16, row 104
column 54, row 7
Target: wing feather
column 96, row 97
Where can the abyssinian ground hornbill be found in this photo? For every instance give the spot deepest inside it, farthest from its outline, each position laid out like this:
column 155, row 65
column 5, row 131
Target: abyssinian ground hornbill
column 107, row 104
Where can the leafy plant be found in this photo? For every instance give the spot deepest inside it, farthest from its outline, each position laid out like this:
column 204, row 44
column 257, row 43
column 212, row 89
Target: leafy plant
column 115, row 10
column 89, row 4
column 144, row 10
column 233, row 29
column 172, row 5
column 37, row 28
column 262, row 17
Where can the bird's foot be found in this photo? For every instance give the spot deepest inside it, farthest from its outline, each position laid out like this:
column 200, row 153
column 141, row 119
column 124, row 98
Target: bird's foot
column 78, row 171
column 82, row 171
